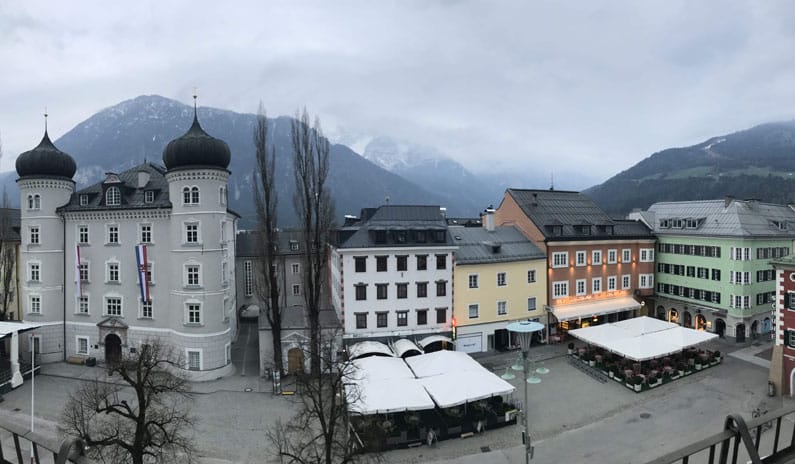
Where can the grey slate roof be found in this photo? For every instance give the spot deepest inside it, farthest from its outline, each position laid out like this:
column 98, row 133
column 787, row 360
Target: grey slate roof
column 477, row 245
column 132, row 197
column 249, row 244
column 397, row 218
column 549, row 208
column 725, row 218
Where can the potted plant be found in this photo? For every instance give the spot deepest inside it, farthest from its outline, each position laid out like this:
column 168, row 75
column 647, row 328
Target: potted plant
column 591, row 360
column 618, row 376
column 571, row 348
column 716, row 357
column 698, row 364
column 652, row 380
column 681, row 369
column 637, row 382
column 610, row 369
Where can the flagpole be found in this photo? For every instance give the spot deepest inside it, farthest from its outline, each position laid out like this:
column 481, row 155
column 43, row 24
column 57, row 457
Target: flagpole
column 32, row 389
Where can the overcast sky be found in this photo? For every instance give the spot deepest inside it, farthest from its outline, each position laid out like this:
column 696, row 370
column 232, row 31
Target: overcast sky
column 591, row 87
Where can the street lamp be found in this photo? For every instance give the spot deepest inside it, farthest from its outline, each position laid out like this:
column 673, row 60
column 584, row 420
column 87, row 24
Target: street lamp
column 525, row 330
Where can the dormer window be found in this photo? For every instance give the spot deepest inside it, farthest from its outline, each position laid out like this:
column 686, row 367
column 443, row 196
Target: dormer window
column 113, row 196
column 293, row 245
column 420, row 236
column 190, row 195
column 439, row 236
column 83, row 200
column 780, row 225
column 582, row 230
column 400, row 236
column 691, row 223
column 665, row 224
column 380, row 236
column 677, row 223
column 149, row 196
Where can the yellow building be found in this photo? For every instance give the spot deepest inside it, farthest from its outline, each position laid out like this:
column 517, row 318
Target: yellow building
column 499, row 277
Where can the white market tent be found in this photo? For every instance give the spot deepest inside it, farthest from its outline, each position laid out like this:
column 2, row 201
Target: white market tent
column 369, row 348
column 433, row 339
column 444, row 378
column 405, row 347
column 9, row 328
column 642, row 338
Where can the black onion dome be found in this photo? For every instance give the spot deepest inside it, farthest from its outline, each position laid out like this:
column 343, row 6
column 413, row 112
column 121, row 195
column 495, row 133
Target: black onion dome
column 46, row 160
column 196, row 148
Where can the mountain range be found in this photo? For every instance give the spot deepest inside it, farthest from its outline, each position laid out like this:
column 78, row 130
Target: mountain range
column 756, row 163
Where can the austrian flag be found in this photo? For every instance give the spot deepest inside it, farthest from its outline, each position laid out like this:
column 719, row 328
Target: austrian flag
column 143, row 265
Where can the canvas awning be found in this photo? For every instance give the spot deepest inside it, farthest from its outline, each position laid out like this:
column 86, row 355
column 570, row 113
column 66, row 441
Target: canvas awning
column 432, row 339
column 8, row 328
column 369, row 348
column 405, row 347
column 455, row 388
column 594, row 308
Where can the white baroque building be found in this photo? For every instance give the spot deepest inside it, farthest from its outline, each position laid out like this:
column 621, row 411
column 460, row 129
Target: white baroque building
column 179, row 212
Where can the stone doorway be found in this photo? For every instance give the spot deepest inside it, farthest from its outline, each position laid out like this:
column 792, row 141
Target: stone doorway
column 112, row 349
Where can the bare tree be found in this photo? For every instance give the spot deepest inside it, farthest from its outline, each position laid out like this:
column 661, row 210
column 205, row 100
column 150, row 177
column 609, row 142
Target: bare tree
column 145, row 418
column 267, row 200
column 315, row 209
column 8, row 255
column 320, row 433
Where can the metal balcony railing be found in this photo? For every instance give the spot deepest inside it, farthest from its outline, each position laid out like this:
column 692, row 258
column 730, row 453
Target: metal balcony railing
column 767, row 439
column 62, row 452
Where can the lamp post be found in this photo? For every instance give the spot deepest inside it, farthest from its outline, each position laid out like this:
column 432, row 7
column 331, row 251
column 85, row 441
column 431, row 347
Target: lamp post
column 524, row 330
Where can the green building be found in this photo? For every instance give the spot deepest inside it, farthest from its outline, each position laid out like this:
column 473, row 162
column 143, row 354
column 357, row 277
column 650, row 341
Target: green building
column 713, row 258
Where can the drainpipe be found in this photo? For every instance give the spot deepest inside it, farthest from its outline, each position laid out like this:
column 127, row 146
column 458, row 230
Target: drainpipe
column 63, row 221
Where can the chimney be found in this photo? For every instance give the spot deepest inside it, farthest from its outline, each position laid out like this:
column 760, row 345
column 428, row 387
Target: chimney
column 143, row 178
column 535, row 198
column 488, row 218
column 443, row 211
column 727, row 201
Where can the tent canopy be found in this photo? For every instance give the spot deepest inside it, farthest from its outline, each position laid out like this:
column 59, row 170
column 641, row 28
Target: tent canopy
column 442, row 362
column 642, row 338
column 457, row 388
column 369, row 348
column 405, row 347
column 8, row 328
column 432, row 339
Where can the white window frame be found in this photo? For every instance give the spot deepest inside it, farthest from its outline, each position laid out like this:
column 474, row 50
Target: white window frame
column 78, row 304
column 188, row 352
column 504, row 282
column 596, row 285
column 34, row 303
column 649, row 278
column 192, row 194
column 34, row 235
column 295, row 268
column 186, row 236
column 105, row 309
column 626, row 255
column 80, row 267
column 626, row 281
column 83, row 200
column 614, row 258
column 580, row 287
column 612, row 283
column 504, row 305
column 187, row 315
column 647, row 255
column 113, row 196
column 108, row 234
column 77, row 345
column 476, row 307
column 580, row 258
column 186, row 275
column 80, row 234
column 473, row 278
column 34, row 202
column 108, row 272
column 560, row 259
column 596, row 257
column 296, row 290
column 560, row 289
column 535, row 303
column 149, row 196
column 531, row 276
column 31, row 265
column 141, row 305
column 141, row 237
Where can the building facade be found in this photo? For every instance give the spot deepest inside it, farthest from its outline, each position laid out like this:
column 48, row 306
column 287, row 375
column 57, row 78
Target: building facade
column 392, row 273
column 80, row 264
column 782, row 363
column 499, row 277
column 713, row 267
column 598, row 268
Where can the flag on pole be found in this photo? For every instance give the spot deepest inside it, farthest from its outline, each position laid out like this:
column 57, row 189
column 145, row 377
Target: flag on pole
column 78, row 280
column 143, row 265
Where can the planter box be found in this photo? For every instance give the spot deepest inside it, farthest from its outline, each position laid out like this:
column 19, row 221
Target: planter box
column 610, row 374
column 592, row 363
column 630, row 386
column 699, row 367
column 637, row 388
column 675, row 376
column 713, row 363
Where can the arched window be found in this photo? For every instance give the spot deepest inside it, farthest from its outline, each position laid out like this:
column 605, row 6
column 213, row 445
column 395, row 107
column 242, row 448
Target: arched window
column 190, row 195
column 113, row 196
column 30, row 201
column 194, row 195
column 222, row 196
column 186, row 195
column 36, row 201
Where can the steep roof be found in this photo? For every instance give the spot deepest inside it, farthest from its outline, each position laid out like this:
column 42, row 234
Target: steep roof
column 722, row 218
column 568, row 212
column 132, row 197
column 503, row 244
column 249, row 243
column 394, row 218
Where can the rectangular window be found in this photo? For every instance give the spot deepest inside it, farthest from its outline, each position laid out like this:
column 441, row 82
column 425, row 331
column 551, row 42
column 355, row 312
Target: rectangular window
column 611, row 284
column 646, row 281
column 596, row 285
column 441, row 262
column 296, row 289
column 646, row 255
column 422, row 262
column 248, row 278
column 381, row 291
column 146, row 309
column 596, row 257
column 473, row 281
column 35, row 304
column 192, row 272
column 296, row 268
column 361, row 292
column 34, row 235
column 626, row 281
column 293, row 245
column 626, row 255
column 113, row 234
column 441, row 288
column 35, row 272
column 579, row 258
column 380, row 320
column 560, row 289
column 360, row 263
column 82, row 234
column 82, row 345
column 192, row 233
column 560, row 259
column 361, row 320
column 113, row 306
column 612, row 256
column 83, row 200
column 194, row 313
column 474, row 310
column 83, row 272
column 501, row 279
column 716, row 274
column 380, row 263
column 402, row 318
column 531, row 303
column 113, row 272
column 402, row 291
column 194, row 360
column 531, row 276
column 502, row 308
column 149, row 196
column 82, row 305
column 146, row 233
column 580, row 289
column 422, row 317
column 402, row 263
column 422, row 289
column 441, row 315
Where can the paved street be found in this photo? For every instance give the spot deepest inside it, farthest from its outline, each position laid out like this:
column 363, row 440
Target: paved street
column 574, row 418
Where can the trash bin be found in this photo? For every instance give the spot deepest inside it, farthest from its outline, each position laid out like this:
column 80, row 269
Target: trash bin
column 771, row 388
column 91, row 362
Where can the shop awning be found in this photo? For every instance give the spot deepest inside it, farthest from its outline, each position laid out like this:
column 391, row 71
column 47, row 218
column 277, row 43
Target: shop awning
column 7, row 328
column 594, row 308
column 369, row 348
